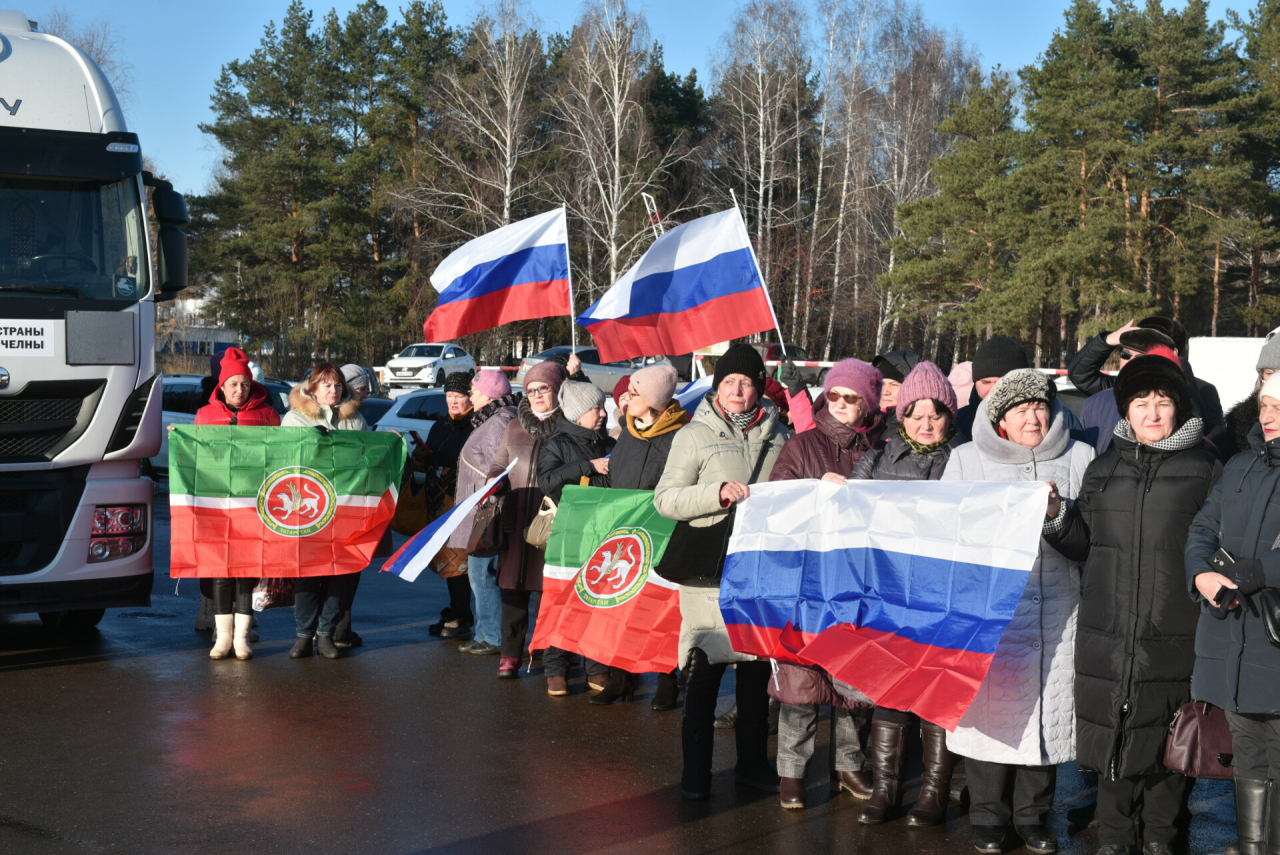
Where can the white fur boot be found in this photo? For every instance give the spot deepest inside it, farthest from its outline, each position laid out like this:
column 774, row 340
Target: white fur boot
column 243, row 650
column 221, row 636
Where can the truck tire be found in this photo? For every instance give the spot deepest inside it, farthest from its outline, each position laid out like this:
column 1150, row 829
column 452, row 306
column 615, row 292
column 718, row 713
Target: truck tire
column 76, row 620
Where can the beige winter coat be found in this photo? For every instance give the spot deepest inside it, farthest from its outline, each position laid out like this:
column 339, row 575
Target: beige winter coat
column 706, row 454
column 305, row 411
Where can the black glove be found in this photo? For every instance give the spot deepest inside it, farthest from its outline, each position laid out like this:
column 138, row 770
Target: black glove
column 1224, row 609
column 1248, row 574
column 789, row 376
column 324, row 431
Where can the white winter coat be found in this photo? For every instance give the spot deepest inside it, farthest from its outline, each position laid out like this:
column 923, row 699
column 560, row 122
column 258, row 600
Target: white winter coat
column 1024, row 713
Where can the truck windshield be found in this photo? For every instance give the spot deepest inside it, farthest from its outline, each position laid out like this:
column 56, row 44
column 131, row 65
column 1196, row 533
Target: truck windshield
column 72, row 239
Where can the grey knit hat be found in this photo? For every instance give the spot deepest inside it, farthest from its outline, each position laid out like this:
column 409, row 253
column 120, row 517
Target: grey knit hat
column 1270, row 355
column 576, row 398
column 1019, row 387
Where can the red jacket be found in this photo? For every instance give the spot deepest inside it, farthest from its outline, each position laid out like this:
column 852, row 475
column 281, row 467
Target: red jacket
column 256, row 412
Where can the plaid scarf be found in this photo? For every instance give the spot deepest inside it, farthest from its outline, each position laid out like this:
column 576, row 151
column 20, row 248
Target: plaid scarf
column 919, row 448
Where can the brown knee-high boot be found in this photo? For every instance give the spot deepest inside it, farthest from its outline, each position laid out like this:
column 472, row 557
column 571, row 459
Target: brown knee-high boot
column 888, row 749
column 935, row 790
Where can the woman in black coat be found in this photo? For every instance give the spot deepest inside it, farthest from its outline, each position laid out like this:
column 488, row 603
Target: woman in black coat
column 578, row 449
column 649, row 426
column 1136, row 630
column 1236, row 666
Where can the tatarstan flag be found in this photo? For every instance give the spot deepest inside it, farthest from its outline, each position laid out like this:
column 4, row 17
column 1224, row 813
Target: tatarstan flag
column 279, row 501
column 600, row 596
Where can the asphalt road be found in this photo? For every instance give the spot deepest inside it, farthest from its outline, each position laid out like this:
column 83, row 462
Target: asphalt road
column 132, row 740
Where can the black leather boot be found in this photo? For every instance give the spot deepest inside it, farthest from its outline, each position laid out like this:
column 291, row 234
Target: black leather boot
column 1270, row 823
column 668, row 693
column 622, row 684
column 697, row 733
column 888, row 750
column 935, row 789
column 1251, row 815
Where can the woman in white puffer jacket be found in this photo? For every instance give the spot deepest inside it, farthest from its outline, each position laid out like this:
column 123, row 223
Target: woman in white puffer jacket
column 1022, row 722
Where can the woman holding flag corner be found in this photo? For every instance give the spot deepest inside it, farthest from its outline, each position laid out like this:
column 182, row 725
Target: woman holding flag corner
column 729, row 444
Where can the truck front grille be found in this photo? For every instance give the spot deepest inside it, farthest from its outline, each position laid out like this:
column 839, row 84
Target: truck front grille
column 36, row 509
column 46, row 417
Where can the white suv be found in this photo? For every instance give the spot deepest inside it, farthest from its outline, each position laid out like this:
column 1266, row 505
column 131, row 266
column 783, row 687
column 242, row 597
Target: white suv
column 422, row 365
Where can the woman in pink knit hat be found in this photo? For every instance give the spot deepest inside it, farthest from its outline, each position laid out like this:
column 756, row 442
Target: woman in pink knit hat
column 918, row 450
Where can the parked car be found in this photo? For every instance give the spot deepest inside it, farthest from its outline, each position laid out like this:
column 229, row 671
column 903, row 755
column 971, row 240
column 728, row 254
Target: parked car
column 606, row 375
column 182, row 395
column 422, row 365
column 771, row 351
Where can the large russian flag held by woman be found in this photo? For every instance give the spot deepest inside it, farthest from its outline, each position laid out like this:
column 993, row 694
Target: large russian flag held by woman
column 900, row 589
column 698, row 284
column 516, row 273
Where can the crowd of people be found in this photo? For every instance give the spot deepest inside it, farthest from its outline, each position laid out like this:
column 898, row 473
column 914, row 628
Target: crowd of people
column 1160, row 545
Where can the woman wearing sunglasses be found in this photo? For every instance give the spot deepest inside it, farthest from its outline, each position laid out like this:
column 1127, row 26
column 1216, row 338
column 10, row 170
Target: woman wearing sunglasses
column 847, row 424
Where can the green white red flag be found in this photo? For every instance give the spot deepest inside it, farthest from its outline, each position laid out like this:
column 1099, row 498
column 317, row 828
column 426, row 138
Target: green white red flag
column 600, row 596
column 260, row 502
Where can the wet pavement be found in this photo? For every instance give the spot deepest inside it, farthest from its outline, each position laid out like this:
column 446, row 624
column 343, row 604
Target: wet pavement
column 132, row 740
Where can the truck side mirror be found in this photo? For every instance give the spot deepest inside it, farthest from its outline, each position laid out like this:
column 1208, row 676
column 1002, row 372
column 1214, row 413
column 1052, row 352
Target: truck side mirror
column 171, row 211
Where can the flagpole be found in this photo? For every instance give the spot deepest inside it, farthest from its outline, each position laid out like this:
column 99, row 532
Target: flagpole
column 573, row 322
column 760, row 273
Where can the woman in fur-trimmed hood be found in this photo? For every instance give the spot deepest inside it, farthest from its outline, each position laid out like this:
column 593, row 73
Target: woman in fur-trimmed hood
column 306, row 409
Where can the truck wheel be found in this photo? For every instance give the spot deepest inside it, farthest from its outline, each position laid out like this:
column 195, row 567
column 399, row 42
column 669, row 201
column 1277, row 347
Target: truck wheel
column 440, row 378
column 72, row 621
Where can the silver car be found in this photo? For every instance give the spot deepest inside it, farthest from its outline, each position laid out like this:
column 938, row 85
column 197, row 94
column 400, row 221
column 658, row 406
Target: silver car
column 422, row 365
column 605, row 375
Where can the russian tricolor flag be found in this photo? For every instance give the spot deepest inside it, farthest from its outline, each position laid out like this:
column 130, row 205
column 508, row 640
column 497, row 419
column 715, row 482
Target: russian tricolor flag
column 901, row 589
column 698, row 285
column 415, row 556
column 516, row 273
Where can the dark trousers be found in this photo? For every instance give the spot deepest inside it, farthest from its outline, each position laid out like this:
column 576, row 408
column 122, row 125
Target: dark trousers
column 1157, row 799
column 515, row 622
column 999, row 792
column 232, row 596
column 317, row 604
column 557, row 662
column 697, row 725
column 1255, row 741
column 342, row 627
column 895, row 716
column 459, row 596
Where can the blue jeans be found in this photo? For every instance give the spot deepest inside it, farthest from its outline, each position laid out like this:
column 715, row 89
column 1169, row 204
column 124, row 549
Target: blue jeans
column 317, row 604
column 484, row 586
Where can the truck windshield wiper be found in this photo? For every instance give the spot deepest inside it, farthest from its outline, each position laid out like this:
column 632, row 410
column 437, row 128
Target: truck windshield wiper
column 45, row 289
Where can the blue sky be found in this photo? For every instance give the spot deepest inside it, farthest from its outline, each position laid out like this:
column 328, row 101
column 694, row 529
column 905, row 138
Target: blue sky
column 177, row 48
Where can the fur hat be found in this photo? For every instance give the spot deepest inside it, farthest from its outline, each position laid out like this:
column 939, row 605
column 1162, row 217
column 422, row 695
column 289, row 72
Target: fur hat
column 740, row 359
column 997, row 356
column 492, row 383
column 547, row 371
column 577, row 398
column 1269, row 356
column 234, row 363
column 926, row 381
column 856, row 375
column 1019, row 387
column 656, row 384
column 1153, row 372
column 459, row 381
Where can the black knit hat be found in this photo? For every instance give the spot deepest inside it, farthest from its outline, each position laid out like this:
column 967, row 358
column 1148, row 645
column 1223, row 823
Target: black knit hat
column 896, row 364
column 1176, row 332
column 741, row 359
column 997, row 356
column 458, row 382
column 1144, row 339
column 1143, row 375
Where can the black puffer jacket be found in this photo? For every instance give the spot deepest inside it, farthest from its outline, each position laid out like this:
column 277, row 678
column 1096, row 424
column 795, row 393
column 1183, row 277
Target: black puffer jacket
column 1136, row 629
column 1236, row 667
column 566, row 457
column 897, row 462
column 637, row 462
column 1237, row 426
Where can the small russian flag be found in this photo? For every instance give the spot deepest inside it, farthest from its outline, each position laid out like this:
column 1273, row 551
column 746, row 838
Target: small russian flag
column 415, row 556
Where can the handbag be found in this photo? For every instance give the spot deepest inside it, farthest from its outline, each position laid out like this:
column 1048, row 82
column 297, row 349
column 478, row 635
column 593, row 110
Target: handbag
column 538, row 532
column 696, row 555
column 1199, row 743
column 1269, row 605
column 273, row 594
column 488, row 536
column 411, row 508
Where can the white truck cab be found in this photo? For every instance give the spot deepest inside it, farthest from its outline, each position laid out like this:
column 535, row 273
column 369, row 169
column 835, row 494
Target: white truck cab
column 79, row 397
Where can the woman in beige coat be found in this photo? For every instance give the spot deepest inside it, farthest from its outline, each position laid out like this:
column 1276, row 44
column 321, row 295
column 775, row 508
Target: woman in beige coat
column 731, row 442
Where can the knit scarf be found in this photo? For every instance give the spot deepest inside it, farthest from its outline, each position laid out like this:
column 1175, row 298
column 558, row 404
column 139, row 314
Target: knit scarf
column 920, row 448
column 673, row 418
column 482, row 415
column 742, row 421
